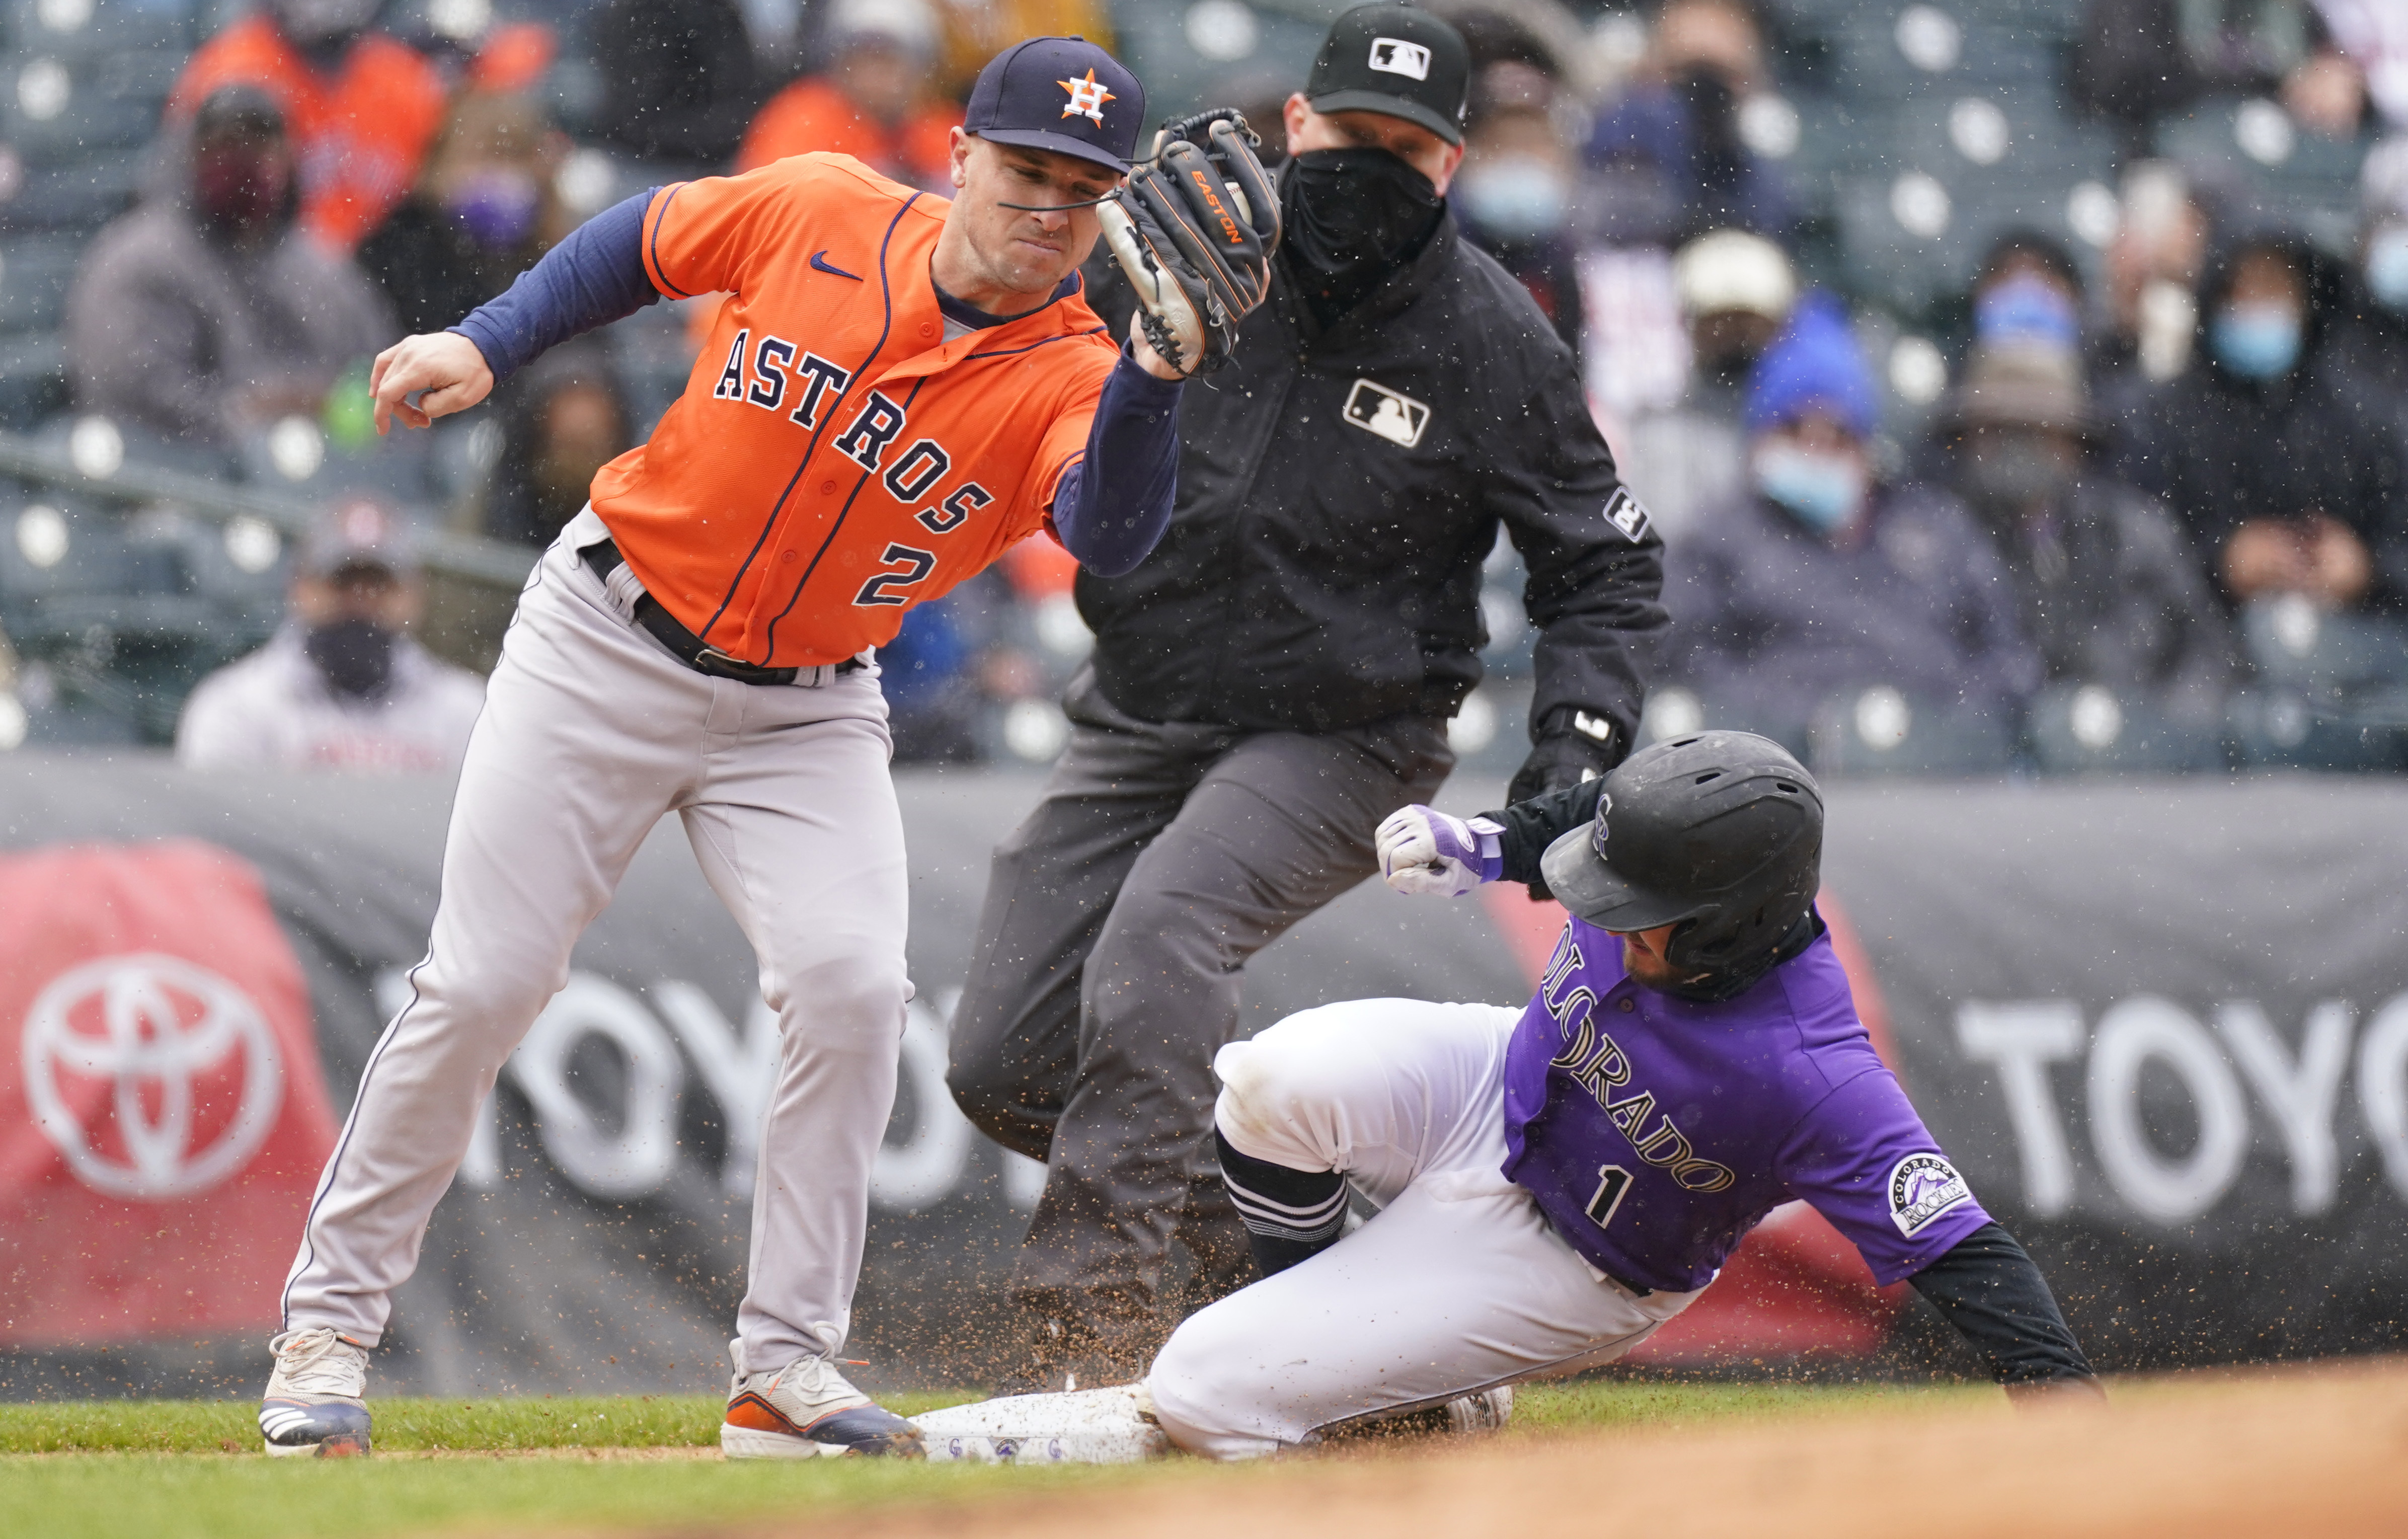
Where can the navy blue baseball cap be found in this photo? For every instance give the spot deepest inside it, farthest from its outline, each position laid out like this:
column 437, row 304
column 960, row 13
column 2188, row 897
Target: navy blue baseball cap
column 1059, row 93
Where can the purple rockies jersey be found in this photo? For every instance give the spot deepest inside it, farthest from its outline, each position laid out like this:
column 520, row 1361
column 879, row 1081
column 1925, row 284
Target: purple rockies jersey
column 1656, row 1132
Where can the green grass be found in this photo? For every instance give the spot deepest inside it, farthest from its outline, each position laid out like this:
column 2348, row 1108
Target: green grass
column 402, row 1426
column 1647, row 1404
column 116, row 1469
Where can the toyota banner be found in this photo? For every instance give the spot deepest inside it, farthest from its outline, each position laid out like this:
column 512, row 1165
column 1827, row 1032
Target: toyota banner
column 2162, row 1026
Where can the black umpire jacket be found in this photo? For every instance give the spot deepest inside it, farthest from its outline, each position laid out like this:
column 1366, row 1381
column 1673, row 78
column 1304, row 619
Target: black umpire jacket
column 1337, row 492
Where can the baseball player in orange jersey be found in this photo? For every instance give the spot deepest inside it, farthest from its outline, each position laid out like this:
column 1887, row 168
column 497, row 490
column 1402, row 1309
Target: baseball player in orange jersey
column 897, row 390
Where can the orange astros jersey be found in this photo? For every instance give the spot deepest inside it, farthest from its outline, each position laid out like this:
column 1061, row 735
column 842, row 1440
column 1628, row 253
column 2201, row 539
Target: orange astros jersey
column 834, row 460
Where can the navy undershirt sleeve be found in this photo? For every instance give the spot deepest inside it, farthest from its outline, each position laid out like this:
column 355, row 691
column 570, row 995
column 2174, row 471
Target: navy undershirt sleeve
column 594, row 277
column 1988, row 1288
column 1110, row 509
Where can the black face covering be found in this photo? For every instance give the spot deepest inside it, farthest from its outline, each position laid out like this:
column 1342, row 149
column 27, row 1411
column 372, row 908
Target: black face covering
column 354, row 655
column 2009, row 478
column 1353, row 217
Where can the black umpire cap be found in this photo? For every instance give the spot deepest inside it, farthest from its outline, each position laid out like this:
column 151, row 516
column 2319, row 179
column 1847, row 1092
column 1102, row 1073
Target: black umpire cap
column 1393, row 59
column 1059, row 93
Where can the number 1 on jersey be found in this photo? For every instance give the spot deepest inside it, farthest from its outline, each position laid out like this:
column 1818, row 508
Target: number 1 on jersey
column 1612, row 1181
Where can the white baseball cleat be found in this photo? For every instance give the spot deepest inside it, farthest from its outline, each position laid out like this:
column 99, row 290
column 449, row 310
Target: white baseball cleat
column 313, row 1406
column 807, row 1410
column 1113, row 1426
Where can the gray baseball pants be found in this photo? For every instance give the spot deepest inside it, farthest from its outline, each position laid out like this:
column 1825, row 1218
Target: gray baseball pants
column 1118, row 920
column 592, row 732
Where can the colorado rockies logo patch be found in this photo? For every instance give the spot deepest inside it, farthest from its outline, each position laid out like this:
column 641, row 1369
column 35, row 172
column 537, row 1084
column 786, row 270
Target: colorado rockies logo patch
column 1376, row 409
column 1922, row 1187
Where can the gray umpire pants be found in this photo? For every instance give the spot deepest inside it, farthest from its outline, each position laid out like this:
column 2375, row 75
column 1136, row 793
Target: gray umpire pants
column 1117, row 922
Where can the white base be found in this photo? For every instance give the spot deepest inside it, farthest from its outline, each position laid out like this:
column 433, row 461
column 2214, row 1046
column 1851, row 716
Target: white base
column 1081, row 1427
column 748, row 1443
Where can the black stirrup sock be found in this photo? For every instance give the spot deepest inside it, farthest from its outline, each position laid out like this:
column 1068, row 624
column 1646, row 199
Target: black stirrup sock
column 1290, row 1215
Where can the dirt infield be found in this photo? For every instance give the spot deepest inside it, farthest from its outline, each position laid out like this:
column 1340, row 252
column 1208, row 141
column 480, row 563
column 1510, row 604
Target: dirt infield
column 2320, row 1451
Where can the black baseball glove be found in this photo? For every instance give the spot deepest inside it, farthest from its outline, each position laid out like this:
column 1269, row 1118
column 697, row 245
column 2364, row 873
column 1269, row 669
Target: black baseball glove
column 1195, row 230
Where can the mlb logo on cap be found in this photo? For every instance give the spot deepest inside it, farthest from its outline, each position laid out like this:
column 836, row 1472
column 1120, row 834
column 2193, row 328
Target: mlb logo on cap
column 1059, row 93
column 1395, row 56
column 1397, row 61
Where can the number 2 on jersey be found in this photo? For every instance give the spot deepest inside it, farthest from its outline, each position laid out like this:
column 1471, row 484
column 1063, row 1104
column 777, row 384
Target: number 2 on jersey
column 1612, row 1181
column 878, row 589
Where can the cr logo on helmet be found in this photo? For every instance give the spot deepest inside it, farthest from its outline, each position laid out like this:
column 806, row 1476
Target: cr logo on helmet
column 155, row 1078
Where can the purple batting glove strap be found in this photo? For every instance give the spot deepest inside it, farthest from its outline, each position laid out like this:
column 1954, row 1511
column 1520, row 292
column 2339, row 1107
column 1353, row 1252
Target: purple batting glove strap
column 1478, row 843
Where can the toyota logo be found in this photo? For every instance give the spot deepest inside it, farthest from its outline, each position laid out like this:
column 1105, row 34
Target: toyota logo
column 166, row 1036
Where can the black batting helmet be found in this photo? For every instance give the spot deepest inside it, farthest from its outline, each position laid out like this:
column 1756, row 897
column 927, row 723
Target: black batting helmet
column 1720, row 833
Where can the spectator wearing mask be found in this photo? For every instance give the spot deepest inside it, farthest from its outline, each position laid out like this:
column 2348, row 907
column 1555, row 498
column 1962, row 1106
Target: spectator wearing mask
column 1736, row 291
column 2106, row 584
column 565, row 417
column 1820, row 580
column 2026, row 294
column 2370, row 346
column 2287, row 475
column 482, row 213
column 341, row 685
column 1677, row 129
column 361, row 107
column 873, row 102
column 1515, row 192
column 683, row 82
column 204, row 314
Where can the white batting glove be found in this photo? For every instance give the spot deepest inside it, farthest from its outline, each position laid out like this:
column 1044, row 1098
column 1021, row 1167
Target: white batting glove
column 1425, row 852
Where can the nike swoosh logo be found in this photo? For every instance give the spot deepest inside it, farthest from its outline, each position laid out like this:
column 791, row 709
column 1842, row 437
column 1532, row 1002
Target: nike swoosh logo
column 819, row 260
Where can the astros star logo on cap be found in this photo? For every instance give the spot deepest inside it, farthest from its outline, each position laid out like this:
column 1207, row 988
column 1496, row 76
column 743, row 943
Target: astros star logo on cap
column 1087, row 97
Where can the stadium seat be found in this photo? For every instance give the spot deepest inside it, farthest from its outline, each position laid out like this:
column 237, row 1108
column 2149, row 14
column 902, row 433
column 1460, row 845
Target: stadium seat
column 2294, row 645
column 97, row 29
column 1933, row 179
column 1674, row 710
column 79, row 196
column 2275, row 728
column 33, row 377
column 35, row 272
column 125, row 613
column 1870, row 59
column 2301, row 177
column 1877, row 732
column 296, row 458
column 57, row 112
column 2086, row 728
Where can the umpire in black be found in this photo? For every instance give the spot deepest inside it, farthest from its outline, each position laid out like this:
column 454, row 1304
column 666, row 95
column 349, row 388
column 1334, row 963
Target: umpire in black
column 1277, row 676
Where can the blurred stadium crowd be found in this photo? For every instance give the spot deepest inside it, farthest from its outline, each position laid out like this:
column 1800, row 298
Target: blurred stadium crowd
column 2017, row 384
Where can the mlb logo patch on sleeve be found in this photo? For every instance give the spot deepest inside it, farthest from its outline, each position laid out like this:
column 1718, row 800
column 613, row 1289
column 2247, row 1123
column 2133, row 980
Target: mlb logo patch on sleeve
column 1922, row 1187
column 1624, row 514
column 1398, row 419
column 1395, row 56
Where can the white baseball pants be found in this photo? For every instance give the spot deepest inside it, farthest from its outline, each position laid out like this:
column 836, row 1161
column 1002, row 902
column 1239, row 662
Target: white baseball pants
column 1458, row 1284
column 592, row 731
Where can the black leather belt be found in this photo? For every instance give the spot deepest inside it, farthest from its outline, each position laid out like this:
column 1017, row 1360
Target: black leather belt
column 691, row 649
